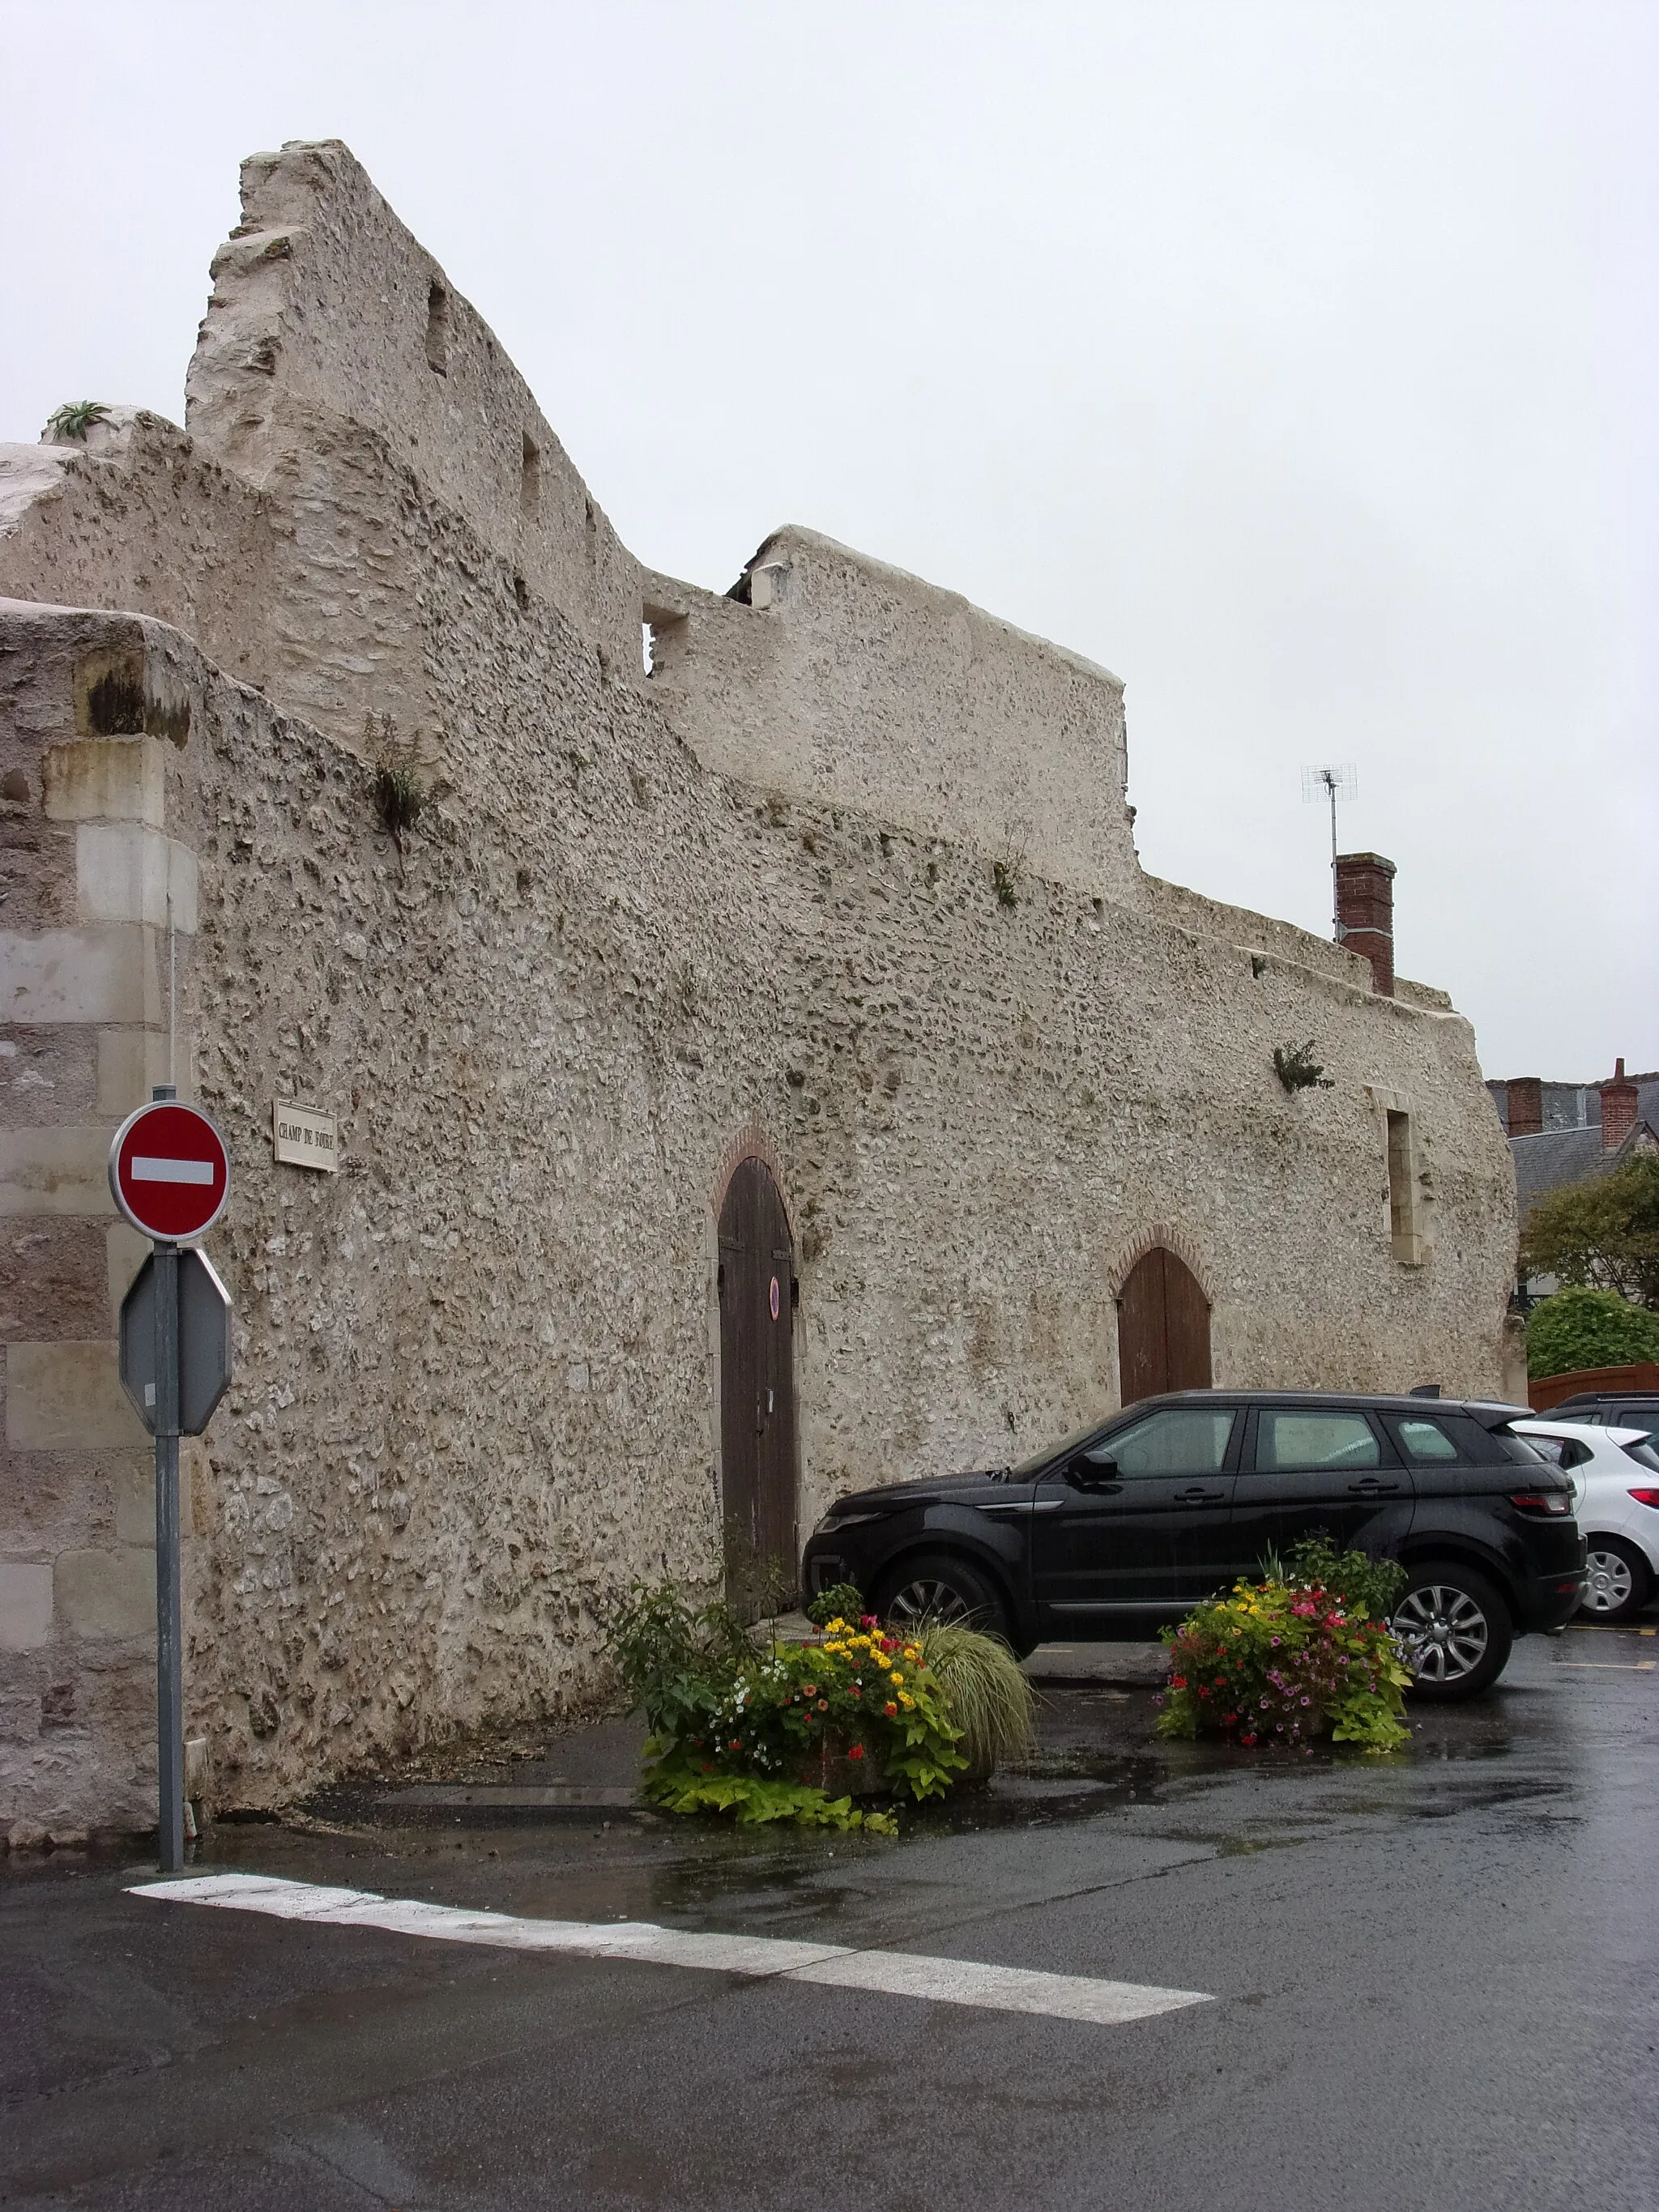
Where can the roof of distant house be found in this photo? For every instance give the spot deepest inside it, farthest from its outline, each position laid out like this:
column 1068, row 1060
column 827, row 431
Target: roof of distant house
column 1556, row 1156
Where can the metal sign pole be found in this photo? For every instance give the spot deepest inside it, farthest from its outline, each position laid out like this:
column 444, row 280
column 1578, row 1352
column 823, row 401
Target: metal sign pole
column 169, row 1657
column 169, row 1174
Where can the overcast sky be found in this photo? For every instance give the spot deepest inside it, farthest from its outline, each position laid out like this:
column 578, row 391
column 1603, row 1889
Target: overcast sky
column 1293, row 358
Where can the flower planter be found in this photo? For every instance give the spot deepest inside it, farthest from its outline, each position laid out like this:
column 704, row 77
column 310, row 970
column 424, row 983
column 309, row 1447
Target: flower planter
column 839, row 1776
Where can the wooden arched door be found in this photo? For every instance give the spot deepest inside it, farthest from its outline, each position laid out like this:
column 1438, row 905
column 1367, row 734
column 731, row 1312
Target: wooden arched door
column 757, row 1394
column 1163, row 1328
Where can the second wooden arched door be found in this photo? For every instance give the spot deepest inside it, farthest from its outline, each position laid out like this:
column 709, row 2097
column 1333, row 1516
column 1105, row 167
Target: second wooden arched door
column 1163, row 1328
column 757, row 1392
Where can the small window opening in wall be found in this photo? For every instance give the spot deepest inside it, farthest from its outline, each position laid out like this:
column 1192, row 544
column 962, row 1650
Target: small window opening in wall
column 437, row 328
column 648, row 648
column 1405, row 1226
column 530, row 477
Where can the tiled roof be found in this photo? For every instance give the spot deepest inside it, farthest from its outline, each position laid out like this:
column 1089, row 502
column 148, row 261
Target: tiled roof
column 1562, row 1156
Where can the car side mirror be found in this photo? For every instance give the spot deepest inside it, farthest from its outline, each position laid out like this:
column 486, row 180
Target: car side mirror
column 1089, row 1472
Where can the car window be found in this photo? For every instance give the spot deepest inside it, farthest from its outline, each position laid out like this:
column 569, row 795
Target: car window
column 1057, row 1454
column 1182, row 1440
column 1643, row 1455
column 1286, row 1441
column 1550, row 1449
column 1426, row 1442
column 1637, row 1417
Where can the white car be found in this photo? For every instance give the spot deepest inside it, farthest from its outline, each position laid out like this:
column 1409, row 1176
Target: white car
column 1614, row 1474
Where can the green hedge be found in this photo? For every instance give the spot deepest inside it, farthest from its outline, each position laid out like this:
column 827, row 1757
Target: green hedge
column 1580, row 1328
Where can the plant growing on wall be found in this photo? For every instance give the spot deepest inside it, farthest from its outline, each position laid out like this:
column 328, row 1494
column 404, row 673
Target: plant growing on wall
column 1296, row 1068
column 1583, row 1327
column 399, row 798
column 75, row 417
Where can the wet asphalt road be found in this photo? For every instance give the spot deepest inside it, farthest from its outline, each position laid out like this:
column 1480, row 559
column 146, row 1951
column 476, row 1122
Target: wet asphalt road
column 1434, row 1981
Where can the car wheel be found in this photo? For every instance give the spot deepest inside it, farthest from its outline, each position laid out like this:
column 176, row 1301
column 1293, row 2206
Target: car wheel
column 1454, row 1632
column 938, row 1586
column 1617, row 1580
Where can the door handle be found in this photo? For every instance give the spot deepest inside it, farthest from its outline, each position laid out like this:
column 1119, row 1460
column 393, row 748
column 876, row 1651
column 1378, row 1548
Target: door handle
column 1198, row 1495
column 1372, row 1488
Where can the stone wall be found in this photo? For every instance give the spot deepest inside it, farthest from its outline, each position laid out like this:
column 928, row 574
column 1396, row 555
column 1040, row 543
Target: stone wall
column 630, row 938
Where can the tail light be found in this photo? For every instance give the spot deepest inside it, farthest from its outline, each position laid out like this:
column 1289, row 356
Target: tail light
column 1558, row 1504
column 1646, row 1496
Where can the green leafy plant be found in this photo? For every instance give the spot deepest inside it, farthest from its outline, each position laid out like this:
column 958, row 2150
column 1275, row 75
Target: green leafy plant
column 1368, row 1587
column 1600, row 1234
column 1584, row 1328
column 722, row 1713
column 1296, row 1068
column 678, row 1660
column 751, row 1801
column 841, row 1598
column 991, row 1701
column 398, row 799
column 1005, row 875
column 75, row 417
column 1270, row 1665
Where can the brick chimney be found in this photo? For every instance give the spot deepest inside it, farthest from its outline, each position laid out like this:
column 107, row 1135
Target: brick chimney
column 1364, row 914
column 1618, row 1100
column 1526, row 1105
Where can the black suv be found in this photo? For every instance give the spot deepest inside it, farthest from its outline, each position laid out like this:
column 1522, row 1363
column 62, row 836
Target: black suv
column 1128, row 1523
column 1610, row 1409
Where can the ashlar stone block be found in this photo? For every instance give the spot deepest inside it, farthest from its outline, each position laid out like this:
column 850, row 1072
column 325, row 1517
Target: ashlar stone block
column 126, row 872
column 101, row 1594
column 25, row 1605
column 102, row 974
column 61, row 1170
column 68, row 1397
column 108, row 779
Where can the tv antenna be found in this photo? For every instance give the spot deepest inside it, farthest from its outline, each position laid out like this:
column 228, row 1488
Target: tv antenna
column 1332, row 783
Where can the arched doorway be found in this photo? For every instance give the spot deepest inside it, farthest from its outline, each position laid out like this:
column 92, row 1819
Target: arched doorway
column 1163, row 1328
column 757, row 1392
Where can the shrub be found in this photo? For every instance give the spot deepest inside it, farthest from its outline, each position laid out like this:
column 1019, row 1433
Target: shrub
column 1602, row 1233
column 1269, row 1664
column 1582, row 1328
column 990, row 1700
column 840, row 1599
column 740, row 1730
column 677, row 1659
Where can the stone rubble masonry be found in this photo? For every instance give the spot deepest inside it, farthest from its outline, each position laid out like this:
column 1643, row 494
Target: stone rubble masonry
column 753, row 902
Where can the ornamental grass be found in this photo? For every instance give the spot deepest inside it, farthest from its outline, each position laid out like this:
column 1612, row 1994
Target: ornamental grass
column 991, row 1701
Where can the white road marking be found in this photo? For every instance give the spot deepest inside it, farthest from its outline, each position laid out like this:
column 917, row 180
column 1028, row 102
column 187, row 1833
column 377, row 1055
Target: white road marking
column 154, row 1171
column 895, row 1974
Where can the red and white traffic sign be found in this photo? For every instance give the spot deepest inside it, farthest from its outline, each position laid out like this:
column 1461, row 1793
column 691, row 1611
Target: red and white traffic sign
column 169, row 1171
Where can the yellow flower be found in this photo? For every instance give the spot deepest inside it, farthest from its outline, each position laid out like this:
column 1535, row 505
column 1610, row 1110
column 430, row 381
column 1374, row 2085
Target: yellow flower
column 905, row 1699
column 884, row 1662
column 897, row 1677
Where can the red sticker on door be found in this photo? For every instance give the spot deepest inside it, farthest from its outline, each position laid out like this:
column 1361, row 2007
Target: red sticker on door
column 776, row 1302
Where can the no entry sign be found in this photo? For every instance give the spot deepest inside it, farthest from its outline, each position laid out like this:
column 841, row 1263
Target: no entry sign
column 169, row 1171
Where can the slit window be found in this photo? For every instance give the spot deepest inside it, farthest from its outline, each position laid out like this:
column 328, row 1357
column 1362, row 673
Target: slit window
column 1405, row 1222
column 437, row 328
column 529, row 479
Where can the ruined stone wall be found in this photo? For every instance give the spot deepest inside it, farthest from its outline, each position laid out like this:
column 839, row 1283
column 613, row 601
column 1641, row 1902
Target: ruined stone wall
column 862, row 684
column 474, row 1386
column 750, row 899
